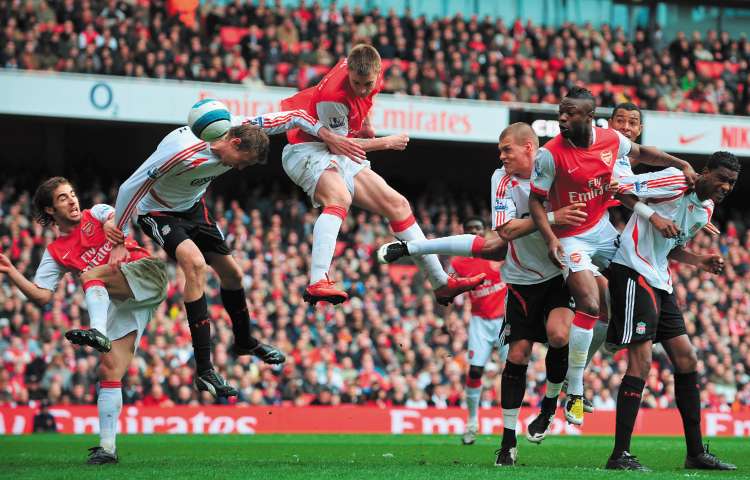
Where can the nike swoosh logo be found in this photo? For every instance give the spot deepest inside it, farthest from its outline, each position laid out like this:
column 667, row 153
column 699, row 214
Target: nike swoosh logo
column 66, row 255
column 571, row 170
column 685, row 140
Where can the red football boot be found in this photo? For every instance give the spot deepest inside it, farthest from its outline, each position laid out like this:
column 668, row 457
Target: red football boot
column 324, row 290
column 456, row 286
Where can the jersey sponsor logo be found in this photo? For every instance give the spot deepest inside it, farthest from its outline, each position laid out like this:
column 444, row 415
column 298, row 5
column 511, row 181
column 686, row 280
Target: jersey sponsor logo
column 93, row 257
column 88, row 229
column 606, row 157
column 640, row 328
column 598, row 188
column 202, row 181
column 337, row 122
column 193, row 165
column 154, row 173
column 684, row 140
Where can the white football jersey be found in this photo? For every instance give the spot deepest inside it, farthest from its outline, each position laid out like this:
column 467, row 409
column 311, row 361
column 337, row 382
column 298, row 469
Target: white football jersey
column 178, row 173
column 642, row 247
column 526, row 262
column 623, row 168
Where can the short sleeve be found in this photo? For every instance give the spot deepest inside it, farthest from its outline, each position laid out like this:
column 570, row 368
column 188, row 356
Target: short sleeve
column 543, row 173
column 622, row 169
column 49, row 273
column 625, row 145
column 334, row 115
column 102, row 212
column 662, row 184
column 503, row 207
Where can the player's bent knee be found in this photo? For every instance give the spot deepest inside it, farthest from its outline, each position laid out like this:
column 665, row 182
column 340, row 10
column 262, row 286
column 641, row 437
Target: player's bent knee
column 557, row 339
column 686, row 363
column 520, row 354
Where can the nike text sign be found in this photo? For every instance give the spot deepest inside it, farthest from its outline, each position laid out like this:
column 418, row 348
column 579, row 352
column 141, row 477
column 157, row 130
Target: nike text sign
column 703, row 134
column 215, row 420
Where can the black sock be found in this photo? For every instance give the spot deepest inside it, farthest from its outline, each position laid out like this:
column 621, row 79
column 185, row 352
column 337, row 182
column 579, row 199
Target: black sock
column 628, row 403
column 688, row 401
column 512, row 389
column 236, row 306
column 200, row 331
column 556, row 364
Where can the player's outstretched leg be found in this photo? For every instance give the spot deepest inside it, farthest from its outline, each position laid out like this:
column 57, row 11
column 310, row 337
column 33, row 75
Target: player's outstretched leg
column 91, row 338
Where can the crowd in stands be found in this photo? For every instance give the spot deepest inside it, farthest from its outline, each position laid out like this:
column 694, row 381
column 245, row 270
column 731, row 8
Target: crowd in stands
column 391, row 344
column 264, row 43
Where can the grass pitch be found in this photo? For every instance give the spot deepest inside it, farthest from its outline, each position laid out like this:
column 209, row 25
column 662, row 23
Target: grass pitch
column 277, row 457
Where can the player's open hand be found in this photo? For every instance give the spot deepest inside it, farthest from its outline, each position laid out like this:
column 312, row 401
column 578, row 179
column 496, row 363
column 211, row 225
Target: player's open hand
column 340, row 145
column 612, row 188
column 667, row 228
column 712, row 229
column 118, row 255
column 712, row 263
column 113, row 234
column 5, row 264
column 690, row 175
column 555, row 252
column 397, row 142
column 572, row 214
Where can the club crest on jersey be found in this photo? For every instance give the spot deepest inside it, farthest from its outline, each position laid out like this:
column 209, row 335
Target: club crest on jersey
column 606, row 157
column 575, row 257
column 471, row 354
column 88, row 229
column 640, row 328
column 154, row 173
column 165, row 230
column 337, row 122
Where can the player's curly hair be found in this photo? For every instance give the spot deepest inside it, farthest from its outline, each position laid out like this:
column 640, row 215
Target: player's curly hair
column 43, row 199
column 252, row 138
column 724, row 159
column 363, row 60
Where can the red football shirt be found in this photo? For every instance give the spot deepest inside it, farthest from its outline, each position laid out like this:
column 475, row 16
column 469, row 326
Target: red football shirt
column 488, row 299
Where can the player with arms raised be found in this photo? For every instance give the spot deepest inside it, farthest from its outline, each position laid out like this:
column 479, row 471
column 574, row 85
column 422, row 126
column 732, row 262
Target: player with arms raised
column 644, row 307
column 577, row 167
column 137, row 285
column 342, row 102
column 167, row 194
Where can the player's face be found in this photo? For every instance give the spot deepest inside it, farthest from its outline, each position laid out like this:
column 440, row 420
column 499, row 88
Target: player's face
column 719, row 183
column 516, row 157
column 363, row 85
column 628, row 123
column 236, row 158
column 65, row 207
column 474, row 228
column 574, row 118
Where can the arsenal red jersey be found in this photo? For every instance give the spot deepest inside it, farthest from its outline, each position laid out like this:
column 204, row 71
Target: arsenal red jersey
column 488, row 299
column 333, row 103
column 566, row 174
column 86, row 246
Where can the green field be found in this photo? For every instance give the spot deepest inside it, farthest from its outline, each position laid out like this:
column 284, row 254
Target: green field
column 277, row 457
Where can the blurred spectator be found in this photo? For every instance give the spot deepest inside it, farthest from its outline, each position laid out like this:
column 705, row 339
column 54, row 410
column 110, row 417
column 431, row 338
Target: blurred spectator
column 44, row 422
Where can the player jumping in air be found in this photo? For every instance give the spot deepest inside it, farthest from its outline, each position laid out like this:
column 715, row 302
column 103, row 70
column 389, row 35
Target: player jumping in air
column 167, row 194
column 120, row 300
column 644, row 307
column 485, row 326
column 342, row 102
column 577, row 166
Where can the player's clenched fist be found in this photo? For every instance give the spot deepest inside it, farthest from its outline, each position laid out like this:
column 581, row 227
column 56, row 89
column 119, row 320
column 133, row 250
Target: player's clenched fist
column 397, row 142
column 667, row 228
column 572, row 214
column 5, row 264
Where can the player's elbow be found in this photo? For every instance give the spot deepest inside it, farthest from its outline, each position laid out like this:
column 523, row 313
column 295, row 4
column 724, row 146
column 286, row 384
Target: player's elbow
column 507, row 233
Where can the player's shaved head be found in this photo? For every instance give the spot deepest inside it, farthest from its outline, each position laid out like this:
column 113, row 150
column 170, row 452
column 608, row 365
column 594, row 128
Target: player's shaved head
column 520, row 133
column 364, row 60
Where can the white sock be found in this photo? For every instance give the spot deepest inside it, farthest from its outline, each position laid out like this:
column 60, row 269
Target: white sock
column 600, row 334
column 109, row 405
column 472, row 404
column 456, row 245
column 429, row 264
column 580, row 340
column 325, row 232
column 97, row 303
column 553, row 389
column 510, row 418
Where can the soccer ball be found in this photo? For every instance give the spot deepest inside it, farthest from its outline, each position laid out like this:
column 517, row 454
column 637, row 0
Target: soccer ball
column 209, row 119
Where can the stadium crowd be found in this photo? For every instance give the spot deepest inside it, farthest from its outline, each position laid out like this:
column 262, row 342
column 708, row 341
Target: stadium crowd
column 259, row 43
column 391, row 344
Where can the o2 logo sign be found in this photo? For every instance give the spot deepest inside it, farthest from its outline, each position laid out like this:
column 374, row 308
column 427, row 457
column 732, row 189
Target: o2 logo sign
column 102, row 98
